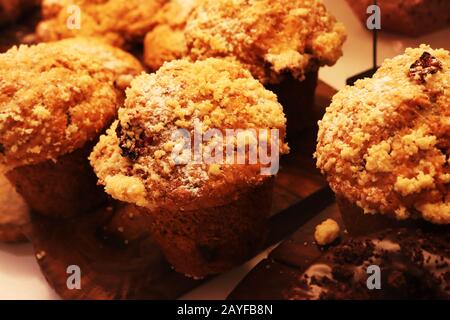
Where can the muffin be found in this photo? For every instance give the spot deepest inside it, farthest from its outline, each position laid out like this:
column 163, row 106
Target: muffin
column 410, row 17
column 118, row 22
column 282, row 43
column 208, row 214
column 11, row 10
column 55, row 100
column 167, row 42
column 384, row 143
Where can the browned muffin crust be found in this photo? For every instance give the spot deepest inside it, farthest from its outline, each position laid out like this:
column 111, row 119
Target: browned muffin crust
column 384, row 143
column 167, row 42
column 134, row 159
column 115, row 21
column 269, row 37
column 55, row 97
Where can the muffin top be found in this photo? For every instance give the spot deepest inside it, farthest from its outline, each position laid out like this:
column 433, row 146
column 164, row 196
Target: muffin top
column 54, row 97
column 384, row 143
column 270, row 37
column 167, row 42
column 115, row 21
column 135, row 159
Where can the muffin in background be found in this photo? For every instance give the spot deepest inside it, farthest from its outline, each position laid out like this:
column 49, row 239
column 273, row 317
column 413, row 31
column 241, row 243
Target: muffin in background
column 117, row 22
column 282, row 43
column 167, row 42
column 11, row 10
column 208, row 215
column 55, row 100
column 411, row 17
column 384, row 145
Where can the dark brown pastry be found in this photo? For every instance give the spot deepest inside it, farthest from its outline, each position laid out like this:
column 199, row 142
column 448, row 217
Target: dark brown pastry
column 413, row 264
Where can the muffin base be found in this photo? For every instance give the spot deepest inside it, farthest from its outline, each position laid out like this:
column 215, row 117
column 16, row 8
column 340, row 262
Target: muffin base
column 60, row 189
column 297, row 99
column 358, row 223
column 213, row 240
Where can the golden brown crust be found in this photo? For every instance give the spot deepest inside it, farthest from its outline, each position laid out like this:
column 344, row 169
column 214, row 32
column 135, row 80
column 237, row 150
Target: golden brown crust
column 270, row 37
column 55, row 97
column 167, row 41
column 164, row 43
column 115, row 21
column 384, row 143
column 134, row 159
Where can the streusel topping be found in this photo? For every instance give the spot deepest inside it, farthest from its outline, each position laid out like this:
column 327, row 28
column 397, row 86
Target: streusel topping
column 54, row 97
column 384, row 143
column 270, row 37
column 134, row 160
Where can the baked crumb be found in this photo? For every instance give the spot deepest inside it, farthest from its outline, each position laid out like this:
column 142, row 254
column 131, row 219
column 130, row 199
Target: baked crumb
column 326, row 232
column 41, row 255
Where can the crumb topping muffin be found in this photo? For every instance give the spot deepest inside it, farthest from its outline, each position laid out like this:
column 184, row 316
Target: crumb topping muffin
column 116, row 21
column 55, row 97
column 166, row 42
column 270, row 37
column 134, row 159
column 384, row 143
